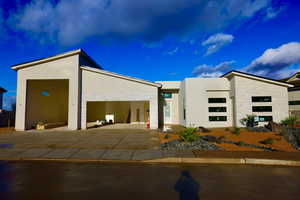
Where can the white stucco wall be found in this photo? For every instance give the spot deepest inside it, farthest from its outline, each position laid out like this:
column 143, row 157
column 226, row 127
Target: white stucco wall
column 294, row 96
column 245, row 88
column 102, row 87
column 63, row 68
column 197, row 92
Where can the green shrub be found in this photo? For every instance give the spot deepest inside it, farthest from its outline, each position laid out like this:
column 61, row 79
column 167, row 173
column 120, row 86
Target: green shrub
column 188, row 135
column 226, row 129
column 236, row 131
column 248, row 120
column 267, row 141
column 240, row 143
column 290, row 121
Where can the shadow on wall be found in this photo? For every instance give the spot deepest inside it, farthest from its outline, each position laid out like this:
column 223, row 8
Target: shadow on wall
column 187, row 187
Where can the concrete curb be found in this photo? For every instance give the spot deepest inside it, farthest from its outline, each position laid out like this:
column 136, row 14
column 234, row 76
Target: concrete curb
column 174, row 160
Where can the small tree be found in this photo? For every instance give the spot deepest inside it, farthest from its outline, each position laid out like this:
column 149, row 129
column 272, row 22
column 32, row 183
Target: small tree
column 188, row 135
column 248, row 120
column 290, row 121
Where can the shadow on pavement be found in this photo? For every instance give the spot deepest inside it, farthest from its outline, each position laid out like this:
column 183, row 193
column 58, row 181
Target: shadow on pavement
column 187, row 187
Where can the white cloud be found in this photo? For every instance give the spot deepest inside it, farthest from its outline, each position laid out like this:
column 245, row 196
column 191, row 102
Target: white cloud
column 272, row 12
column 273, row 62
column 210, row 71
column 172, row 52
column 216, row 42
column 70, row 22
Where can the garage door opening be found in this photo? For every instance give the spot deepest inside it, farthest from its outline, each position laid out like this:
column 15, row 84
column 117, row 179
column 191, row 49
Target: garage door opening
column 102, row 113
column 47, row 104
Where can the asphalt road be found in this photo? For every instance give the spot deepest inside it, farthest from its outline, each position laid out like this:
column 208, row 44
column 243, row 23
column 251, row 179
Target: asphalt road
column 57, row 180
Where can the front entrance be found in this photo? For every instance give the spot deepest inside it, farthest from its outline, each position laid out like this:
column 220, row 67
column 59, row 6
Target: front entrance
column 167, row 112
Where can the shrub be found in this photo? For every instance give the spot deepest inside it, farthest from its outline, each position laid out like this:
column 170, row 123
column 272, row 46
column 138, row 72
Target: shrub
column 226, row 129
column 290, row 121
column 188, row 135
column 248, row 120
column 267, row 141
column 240, row 143
column 236, row 131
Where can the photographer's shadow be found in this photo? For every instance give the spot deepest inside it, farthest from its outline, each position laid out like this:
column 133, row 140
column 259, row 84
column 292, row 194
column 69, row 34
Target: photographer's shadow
column 187, row 187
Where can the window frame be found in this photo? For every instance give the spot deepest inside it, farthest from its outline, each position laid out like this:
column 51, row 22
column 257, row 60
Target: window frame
column 253, row 109
column 210, row 109
column 210, row 98
column 210, row 119
column 260, row 99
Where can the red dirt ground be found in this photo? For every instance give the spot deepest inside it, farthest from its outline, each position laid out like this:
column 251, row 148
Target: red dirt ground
column 246, row 136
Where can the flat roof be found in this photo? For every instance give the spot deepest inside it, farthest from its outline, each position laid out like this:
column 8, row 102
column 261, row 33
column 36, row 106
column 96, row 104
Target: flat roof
column 261, row 78
column 170, row 85
column 55, row 57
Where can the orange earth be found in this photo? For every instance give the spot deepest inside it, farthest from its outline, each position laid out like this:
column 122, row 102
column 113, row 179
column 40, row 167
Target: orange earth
column 246, row 136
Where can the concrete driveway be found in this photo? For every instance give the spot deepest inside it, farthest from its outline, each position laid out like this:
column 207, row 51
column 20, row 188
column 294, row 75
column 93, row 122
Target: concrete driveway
column 98, row 138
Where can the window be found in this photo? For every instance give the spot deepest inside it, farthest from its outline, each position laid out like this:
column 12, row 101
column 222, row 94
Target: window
column 261, row 108
column 216, row 109
column 45, row 93
column 265, row 118
column 167, row 95
column 217, row 118
column 294, row 102
column 216, row 100
column 183, row 113
column 262, row 99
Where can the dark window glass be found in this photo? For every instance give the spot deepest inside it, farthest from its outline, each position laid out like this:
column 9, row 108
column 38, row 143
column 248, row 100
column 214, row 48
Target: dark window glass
column 183, row 113
column 294, row 102
column 217, row 118
column 262, row 99
column 216, row 100
column 265, row 118
column 167, row 95
column 216, row 109
column 261, row 108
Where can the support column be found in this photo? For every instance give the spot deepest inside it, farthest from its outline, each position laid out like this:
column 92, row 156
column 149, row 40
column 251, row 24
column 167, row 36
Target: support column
column 74, row 114
column 154, row 113
column 83, row 115
column 20, row 124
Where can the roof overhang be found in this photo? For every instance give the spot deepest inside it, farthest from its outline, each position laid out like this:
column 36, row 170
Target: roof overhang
column 56, row 57
column 120, row 76
column 255, row 77
column 2, row 90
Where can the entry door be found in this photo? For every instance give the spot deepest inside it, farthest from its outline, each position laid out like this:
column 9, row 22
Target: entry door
column 167, row 112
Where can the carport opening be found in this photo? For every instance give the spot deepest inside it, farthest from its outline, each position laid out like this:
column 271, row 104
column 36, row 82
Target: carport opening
column 103, row 113
column 47, row 104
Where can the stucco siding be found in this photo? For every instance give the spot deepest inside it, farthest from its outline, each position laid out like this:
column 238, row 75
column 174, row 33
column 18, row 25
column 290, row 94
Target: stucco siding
column 197, row 92
column 245, row 88
column 294, row 96
column 64, row 68
column 102, row 87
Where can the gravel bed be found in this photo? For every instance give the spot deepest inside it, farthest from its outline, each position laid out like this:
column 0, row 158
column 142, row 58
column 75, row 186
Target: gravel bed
column 197, row 145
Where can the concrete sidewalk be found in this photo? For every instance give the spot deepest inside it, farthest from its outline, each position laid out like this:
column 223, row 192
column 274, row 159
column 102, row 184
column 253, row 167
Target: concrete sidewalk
column 153, row 156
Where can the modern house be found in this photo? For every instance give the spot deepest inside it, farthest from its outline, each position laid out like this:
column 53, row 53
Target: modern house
column 2, row 90
column 73, row 89
column 294, row 94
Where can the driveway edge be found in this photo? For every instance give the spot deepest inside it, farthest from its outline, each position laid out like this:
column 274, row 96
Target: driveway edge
column 239, row 161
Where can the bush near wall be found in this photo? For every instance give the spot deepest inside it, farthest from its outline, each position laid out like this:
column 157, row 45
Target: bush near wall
column 291, row 134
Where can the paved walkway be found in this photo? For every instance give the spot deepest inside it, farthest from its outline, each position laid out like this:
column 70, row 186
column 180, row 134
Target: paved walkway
column 90, row 139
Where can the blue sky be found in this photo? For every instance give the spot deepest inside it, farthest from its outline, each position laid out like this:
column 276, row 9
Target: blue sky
column 155, row 40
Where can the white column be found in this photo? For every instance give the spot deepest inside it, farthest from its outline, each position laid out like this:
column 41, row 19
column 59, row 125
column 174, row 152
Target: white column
column 154, row 113
column 83, row 114
column 21, row 105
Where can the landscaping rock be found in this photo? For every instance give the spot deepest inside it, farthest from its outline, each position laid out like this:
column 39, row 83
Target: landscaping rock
column 203, row 129
column 200, row 144
column 209, row 138
column 258, row 129
column 292, row 135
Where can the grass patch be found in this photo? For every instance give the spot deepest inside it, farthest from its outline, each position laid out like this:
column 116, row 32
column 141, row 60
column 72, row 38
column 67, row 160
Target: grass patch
column 236, row 131
column 269, row 141
column 189, row 135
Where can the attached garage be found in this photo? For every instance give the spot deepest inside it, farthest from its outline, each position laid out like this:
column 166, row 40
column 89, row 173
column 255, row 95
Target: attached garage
column 125, row 99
